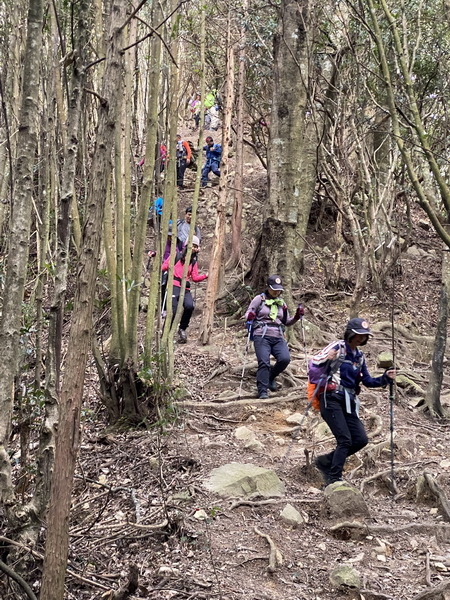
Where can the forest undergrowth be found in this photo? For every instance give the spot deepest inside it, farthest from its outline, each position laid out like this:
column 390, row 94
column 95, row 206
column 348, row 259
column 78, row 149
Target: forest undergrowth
column 143, row 524
column 140, row 502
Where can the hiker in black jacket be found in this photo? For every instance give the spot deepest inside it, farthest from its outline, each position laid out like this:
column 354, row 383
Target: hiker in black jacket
column 339, row 403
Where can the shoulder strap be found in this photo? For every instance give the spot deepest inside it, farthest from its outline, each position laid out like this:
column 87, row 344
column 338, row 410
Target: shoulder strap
column 263, row 299
column 336, row 364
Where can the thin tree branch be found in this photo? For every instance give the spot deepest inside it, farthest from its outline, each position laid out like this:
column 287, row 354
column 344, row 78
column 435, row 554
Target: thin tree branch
column 8, row 141
column 148, row 35
column 133, row 14
column 154, row 30
column 18, row 579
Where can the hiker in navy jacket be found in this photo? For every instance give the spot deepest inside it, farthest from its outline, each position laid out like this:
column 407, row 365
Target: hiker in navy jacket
column 345, row 370
column 268, row 315
column 213, row 158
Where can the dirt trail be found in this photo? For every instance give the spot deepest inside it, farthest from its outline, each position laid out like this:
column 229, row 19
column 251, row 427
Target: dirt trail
column 139, row 494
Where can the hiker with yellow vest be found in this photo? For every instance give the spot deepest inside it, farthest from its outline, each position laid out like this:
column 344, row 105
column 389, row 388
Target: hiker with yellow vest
column 266, row 317
column 338, row 371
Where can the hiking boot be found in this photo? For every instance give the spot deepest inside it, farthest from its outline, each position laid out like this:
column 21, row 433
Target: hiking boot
column 182, row 336
column 263, row 395
column 322, row 464
column 274, row 386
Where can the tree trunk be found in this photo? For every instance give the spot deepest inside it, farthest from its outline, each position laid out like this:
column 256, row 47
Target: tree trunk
column 236, row 221
column 433, row 395
column 68, row 439
column 11, row 101
column 17, row 260
column 148, row 186
column 219, row 233
column 147, row 193
column 56, row 315
column 291, row 152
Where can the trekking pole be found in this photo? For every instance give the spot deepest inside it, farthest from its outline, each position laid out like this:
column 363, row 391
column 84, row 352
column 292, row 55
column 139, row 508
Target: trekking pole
column 163, row 305
column 247, row 346
column 391, row 418
column 297, row 429
column 304, row 344
column 391, row 383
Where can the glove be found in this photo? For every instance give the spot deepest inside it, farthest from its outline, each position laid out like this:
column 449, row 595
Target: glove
column 151, row 254
column 299, row 312
column 248, row 325
column 251, row 316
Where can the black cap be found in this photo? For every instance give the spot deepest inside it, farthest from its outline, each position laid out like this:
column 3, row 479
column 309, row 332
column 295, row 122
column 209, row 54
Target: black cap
column 359, row 326
column 274, row 282
column 189, row 209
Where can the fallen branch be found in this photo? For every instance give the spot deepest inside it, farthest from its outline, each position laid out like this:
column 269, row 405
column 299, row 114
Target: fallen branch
column 237, row 503
column 371, row 595
column 41, row 556
column 345, row 529
column 275, row 556
column 243, row 402
column 18, row 579
column 435, row 593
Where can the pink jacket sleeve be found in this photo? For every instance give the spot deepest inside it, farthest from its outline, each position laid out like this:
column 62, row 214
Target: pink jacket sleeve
column 165, row 265
column 195, row 275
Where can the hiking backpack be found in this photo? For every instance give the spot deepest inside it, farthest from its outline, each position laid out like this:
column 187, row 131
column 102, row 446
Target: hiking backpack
column 319, row 376
column 194, row 155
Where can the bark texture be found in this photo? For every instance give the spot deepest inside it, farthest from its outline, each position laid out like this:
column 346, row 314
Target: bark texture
column 291, row 151
column 68, row 438
column 17, row 260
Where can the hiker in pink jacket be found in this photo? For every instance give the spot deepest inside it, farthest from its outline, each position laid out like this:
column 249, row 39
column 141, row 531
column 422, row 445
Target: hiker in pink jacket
column 192, row 275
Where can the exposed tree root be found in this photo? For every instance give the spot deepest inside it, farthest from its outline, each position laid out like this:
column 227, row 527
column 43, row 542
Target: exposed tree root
column 219, row 371
column 428, row 485
column 275, row 556
column 371, row 595
column 377, row 422
column 404, row 331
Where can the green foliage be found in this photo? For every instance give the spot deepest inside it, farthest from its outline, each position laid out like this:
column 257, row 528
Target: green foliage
column 31, row 407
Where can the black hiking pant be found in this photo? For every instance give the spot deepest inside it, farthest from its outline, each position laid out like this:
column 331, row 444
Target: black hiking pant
column 188, row 306
column 181, row 168
column 346, row 427
column 264, row 347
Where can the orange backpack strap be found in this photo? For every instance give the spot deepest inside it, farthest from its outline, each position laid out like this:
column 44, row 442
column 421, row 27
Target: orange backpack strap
column 313, row 395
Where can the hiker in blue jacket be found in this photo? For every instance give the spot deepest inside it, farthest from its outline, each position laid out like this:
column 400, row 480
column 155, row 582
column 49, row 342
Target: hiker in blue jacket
column 268, row 315
column 213, row 158
column 345, row 370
